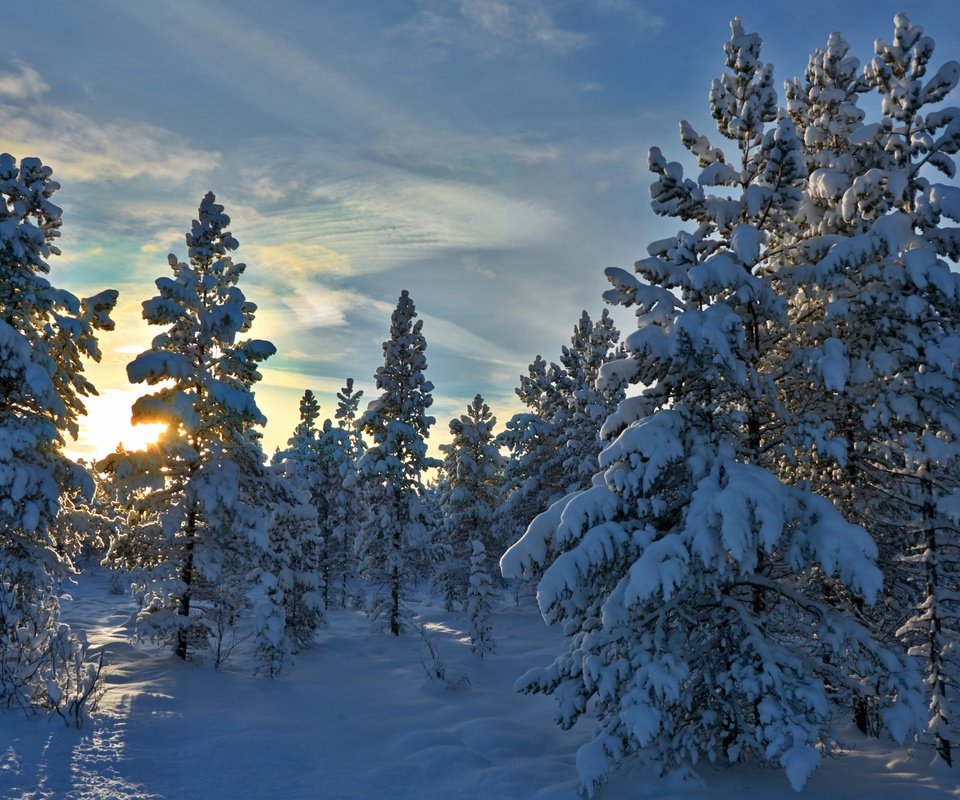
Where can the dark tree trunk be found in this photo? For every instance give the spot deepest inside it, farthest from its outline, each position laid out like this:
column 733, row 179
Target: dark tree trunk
column 186, row 575
column 395, row 573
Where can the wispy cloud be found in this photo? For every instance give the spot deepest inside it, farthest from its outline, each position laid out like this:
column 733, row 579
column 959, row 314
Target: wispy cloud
column 356, row 213
column 490, row 27
column 84, row 149
column 451, row 214
column 71, row 256
column 267, row 66
column 472, row 264
column 23, row 84
column 294, row 261
column 280, row 378
column 299, row 307
column 528, row 21
column 452, row 337
column 631, row 10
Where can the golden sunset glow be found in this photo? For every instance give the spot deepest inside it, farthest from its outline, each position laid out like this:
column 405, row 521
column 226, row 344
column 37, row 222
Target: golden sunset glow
column 107, row 425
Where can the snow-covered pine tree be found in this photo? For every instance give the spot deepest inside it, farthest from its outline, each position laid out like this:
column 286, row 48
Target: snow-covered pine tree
column 45, row 335
column 342, row 446
column 591, row 346
column 197, row 536
column 533, row 475
column 114, row 525
column 473, row 471
column 920, row 329
column 480, row 599
column 287, row 592
column 554, row 446
column 299, row 463
column 302, row 465
column 393, row 542
column 824, row 107
column 882, row 308
column 304, row 438
column 694, row 586
column 89, row 521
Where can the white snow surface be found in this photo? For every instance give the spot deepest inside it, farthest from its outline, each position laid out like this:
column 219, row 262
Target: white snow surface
column 357, row 717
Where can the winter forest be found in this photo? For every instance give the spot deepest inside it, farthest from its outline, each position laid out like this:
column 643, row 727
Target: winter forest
column 724, row 545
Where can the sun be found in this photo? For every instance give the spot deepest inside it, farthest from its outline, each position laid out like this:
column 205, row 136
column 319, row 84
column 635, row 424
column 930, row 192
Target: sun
column 138, row 437
column 107, row 425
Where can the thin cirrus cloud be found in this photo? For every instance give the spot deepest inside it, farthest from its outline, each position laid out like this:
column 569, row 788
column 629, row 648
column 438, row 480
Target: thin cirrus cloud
column 296, row 261
column 357, row 212
column 86, row 150
column 289, row 311
column 23, row 84
column 268, row 72
column 488, row 27
column 463, row 216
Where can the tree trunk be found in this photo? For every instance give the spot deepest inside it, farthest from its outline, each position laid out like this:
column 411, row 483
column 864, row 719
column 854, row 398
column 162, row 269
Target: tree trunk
column 938, row 684
column 186, row 575
column 395, row 573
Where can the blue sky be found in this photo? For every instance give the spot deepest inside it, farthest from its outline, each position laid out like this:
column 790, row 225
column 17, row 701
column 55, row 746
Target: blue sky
column 487, row 155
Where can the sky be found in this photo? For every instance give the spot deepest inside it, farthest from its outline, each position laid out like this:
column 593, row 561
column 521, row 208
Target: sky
column 489, row 156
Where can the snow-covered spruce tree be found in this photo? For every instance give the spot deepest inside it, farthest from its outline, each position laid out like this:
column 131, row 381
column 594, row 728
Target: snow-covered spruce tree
column 299, row 462
column 695, row 586
column 342, row 446
column 919, row 326
column 45, row 334
column 591, row 346
column 824, row 105
column 287, row 594
column 303, row 442
column 473, row 472
column 112, row 510
column 883, row 306
column 89, row 521
column 302, row 465
column 554, row 446
column 533, row 475
column 393, row 542
column 322, row 461
column 197, row 536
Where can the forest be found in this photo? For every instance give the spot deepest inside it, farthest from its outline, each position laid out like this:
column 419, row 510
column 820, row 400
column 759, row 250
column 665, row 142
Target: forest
column 742, row 517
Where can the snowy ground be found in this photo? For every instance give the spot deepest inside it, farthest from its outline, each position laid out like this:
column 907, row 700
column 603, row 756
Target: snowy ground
column 358, row 718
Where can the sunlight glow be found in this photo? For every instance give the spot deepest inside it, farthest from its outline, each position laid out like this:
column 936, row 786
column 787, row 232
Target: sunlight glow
column 107, row 424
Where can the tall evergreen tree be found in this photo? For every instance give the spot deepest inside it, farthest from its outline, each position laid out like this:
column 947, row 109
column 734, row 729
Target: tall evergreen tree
column 884, row 305
column 473, row 472
column 321, row 461
column 343, row 446
column 554, row 446
column 394, row 540
column 590, row 403
column 305, row 434
column 302, row 465
column 534, row 476
column 287, row 594
column 695, row 586
column 45, row 335
column 198, row 532
column 299, row 579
